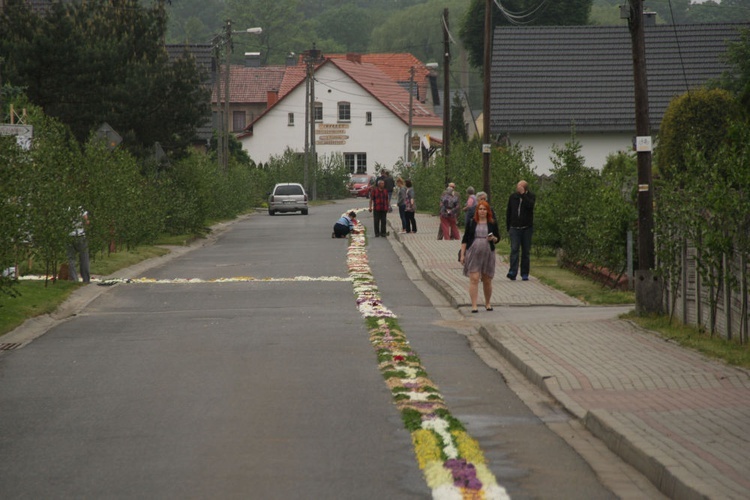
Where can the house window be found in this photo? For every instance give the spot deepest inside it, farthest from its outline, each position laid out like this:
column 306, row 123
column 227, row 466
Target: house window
column 368, row 118
column 238, row 121
column 290, row 119
column 318, row 111
column 345, row 112
column 356, row 162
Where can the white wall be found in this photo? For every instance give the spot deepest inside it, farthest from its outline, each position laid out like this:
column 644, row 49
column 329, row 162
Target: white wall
column 382, row 141
column 594, row 147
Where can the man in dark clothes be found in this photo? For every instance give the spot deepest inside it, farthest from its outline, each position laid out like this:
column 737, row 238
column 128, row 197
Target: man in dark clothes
column 519, row 221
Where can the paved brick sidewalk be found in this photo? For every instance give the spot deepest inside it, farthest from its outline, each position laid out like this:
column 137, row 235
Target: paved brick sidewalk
column 678, row 417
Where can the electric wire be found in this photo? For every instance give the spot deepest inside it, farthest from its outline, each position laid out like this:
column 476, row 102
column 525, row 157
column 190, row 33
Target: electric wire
column 521, row 18
column 679, row 50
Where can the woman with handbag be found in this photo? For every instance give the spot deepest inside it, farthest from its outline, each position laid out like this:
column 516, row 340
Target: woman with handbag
column 478, row 254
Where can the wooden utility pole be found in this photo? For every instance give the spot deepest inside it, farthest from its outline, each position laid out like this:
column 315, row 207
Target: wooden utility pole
column 648, row 289
column 446, row 93
column 315, row 55
column 225, row 127
column 308, row 117
column 411, row 113
column 486, row 143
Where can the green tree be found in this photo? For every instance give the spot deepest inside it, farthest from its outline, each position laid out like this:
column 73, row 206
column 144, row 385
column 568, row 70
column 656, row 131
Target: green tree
column 284, row 28
column 524, row 12
column 737, row 79
column 349, row 26
column 699, row 119
column 94, row 62
column 457, row 124
column 418, row 30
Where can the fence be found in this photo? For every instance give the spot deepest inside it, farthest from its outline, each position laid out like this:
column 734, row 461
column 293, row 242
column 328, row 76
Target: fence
column 717, row 303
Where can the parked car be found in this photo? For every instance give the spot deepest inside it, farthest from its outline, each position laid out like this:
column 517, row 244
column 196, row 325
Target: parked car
column 360, row 185
column 287, row 197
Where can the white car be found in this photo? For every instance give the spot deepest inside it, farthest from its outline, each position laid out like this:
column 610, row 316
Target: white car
column 287, row 197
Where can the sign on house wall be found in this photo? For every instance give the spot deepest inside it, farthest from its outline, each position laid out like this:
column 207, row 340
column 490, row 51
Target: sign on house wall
column 331, row 134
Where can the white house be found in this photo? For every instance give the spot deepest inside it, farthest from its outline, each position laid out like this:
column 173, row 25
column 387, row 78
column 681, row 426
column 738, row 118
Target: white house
column 360, row 112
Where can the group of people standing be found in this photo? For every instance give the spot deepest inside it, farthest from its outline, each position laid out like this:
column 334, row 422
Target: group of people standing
column 482, row 230
column 381, row 203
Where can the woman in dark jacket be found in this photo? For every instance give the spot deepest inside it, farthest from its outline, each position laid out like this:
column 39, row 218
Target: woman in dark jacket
column 478, row 253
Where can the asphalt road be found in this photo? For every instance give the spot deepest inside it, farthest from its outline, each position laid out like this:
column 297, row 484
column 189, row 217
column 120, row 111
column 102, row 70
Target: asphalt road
column 257, row 389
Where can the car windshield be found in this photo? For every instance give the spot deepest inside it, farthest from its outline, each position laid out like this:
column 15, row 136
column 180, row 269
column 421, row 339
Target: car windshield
column 288, row 190
column 359, row 178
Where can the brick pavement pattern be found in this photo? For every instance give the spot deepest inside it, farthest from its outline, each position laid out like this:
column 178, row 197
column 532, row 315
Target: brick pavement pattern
column 681, row 419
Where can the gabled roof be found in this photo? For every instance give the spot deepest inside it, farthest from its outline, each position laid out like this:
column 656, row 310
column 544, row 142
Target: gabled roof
column 549, row 78
column 398, row 67
column 250, row 85
column 389, row 93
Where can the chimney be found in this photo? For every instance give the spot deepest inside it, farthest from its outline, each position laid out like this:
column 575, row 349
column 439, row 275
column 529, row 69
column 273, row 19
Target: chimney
column 252, row 59
column 272, row 97
column 649, row 18
column 291, row 59
column 355, row 58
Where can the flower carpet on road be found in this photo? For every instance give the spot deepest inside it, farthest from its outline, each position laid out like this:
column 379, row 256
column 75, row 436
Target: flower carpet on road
column 236, row 279
column 453, row 465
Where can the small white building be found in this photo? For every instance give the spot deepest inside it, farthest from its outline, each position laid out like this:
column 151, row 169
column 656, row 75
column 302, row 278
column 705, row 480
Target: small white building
column 360, row 112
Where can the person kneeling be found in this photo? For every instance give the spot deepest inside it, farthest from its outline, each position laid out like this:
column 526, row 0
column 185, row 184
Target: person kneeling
column 344, row 225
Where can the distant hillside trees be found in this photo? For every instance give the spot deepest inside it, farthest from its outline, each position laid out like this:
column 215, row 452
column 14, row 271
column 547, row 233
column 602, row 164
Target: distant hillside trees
column 524, row 12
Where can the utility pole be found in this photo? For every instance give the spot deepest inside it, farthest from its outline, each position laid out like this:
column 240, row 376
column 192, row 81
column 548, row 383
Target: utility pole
column 411, row 111
column 224, row 41
column 648, row 289
column 308, row 117
column 225, row 127
column 486, row 144
column 315, row 56
column 446, row 94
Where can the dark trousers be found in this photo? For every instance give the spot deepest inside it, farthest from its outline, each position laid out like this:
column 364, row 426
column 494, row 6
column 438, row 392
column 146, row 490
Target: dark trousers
column 411, row 222
column 78, row 246
column 340, row 230
column 402, row 214
column 379, row 218
column 520, row 240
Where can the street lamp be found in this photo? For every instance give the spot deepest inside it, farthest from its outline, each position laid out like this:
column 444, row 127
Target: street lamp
column 226, row 42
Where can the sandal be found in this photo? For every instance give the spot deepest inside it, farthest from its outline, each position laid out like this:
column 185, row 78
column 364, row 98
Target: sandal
column 475, row 310
column 489, row 308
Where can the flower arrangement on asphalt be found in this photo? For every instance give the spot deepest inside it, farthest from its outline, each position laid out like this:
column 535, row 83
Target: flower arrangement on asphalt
column 452, row 462
column 236, row 279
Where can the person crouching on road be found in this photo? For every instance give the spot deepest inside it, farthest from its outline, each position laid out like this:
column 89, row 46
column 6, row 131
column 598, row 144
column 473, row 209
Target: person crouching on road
column 478, row 253
column 345, row 225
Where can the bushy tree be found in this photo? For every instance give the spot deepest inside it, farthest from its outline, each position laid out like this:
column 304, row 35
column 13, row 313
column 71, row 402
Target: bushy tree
column 700, row 118
column 87, row 63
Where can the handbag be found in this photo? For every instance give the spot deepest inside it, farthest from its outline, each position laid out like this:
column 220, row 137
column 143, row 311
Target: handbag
column 409, row 205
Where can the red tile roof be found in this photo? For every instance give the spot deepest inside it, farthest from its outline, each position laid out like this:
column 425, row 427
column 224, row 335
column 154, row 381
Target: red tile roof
column 251, row 85
column 397, row 66
column 392, row 95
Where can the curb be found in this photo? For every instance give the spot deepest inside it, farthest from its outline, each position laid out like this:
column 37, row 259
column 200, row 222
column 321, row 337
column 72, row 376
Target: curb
column 37, row 326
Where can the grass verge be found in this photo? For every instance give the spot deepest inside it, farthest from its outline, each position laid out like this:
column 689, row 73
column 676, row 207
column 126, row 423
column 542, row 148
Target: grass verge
column 34, row 298
column 544, row 267
column 729, row 351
